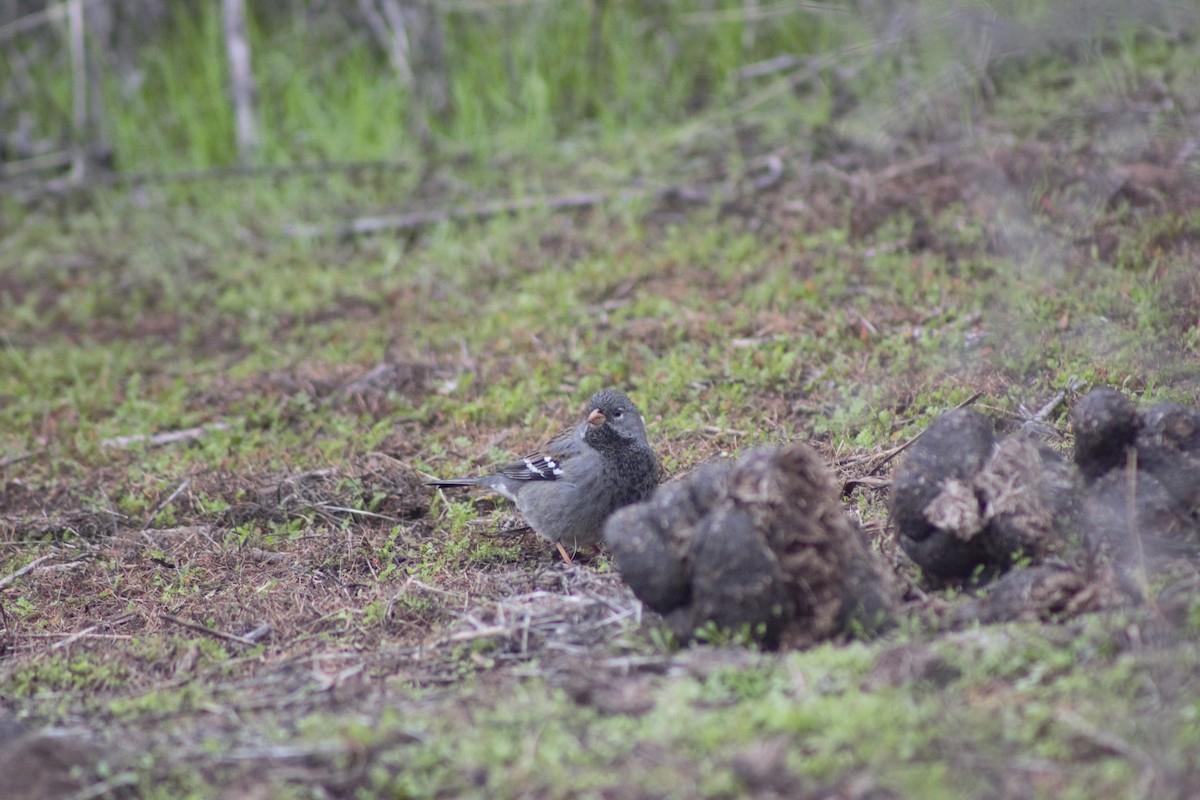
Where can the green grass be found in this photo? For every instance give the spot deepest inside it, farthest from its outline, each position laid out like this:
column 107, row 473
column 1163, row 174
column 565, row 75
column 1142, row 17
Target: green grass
column 521, row 80
column 838, row 308
column 808, row 719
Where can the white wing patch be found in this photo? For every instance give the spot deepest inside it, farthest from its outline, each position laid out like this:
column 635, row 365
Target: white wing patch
column 543, row 466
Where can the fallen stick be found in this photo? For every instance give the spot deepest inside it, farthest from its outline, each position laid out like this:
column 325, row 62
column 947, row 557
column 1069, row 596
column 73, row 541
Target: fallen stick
column 182, row 487
column 19, row 457
column 769, row 67
column 196, row 626
column 355, row 511
column 30, row 567
column 159, row 439
column 421, row 219
column 898, row 450
column 1043, row 413
column 879, row 460
column 74, row 637
column 42, row 163
column 770, row 169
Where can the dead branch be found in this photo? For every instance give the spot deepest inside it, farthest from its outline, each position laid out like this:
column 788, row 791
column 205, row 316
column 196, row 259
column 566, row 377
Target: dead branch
column 1105, row 740
column 229, row 637
column 867, row 482
column 486, row 6
column 25, row 570
column 354, row 511
column 1043, row 413
column 276, row 753
column 8, row 461
column 769, row 67
column 770, row 171
column 906, row 167
column 772, row 174
column 1138, row 570
column 15, row 170
column 182, row 487
column 259, row 633
column 42, row 163
column 74, row 637
column 412, row 581
column 255, row 172
column 90, row 635
column 489, row 632
column 421, row 219
column 109, row 787
column 170, row 437
column 879, row 460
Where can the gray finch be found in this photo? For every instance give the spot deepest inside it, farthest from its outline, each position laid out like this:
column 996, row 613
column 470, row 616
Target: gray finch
column 568, row 488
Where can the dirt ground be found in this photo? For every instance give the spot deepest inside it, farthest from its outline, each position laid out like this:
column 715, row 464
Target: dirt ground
column 191, row 657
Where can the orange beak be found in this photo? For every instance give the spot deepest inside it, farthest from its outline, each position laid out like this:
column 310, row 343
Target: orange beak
column 595, row 418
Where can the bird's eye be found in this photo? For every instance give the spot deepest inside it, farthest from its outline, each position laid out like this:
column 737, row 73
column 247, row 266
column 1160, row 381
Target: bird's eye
column 618, row 413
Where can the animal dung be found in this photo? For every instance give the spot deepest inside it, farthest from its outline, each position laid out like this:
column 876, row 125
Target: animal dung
column 967, row 506
column 760, row 545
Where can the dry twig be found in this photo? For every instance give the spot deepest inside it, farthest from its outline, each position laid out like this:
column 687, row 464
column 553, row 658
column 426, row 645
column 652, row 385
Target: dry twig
column 1042, row 414
column 19, row 457
column 879, row 460
column 229, row 637
column 171, row 499
column 1109, row 742
column 421, row 219
column 170, row 437
column 25, row 570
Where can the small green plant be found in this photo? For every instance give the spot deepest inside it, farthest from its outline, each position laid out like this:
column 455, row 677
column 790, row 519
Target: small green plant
column 22, row 607
column 67, row 672
column 745, row 635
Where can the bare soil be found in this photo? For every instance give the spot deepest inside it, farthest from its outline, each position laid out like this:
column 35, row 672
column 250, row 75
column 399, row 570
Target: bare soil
column 346, row 614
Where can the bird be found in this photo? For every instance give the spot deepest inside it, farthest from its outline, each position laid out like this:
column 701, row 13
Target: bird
column 568, row 488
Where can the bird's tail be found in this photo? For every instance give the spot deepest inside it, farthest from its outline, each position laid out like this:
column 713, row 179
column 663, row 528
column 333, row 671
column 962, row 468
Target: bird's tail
column 453, row 482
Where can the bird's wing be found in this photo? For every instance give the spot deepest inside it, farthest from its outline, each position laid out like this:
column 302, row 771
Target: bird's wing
column 547, row 463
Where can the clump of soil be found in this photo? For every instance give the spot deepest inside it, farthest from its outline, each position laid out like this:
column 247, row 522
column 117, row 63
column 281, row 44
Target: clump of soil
column 761, row 545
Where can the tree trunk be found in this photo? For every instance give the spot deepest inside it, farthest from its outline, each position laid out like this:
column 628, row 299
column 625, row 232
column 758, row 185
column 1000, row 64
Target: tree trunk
column 243, row 92
column 79, row 92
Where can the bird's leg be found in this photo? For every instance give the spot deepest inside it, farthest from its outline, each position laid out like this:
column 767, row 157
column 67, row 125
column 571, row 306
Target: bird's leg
column 562, row 551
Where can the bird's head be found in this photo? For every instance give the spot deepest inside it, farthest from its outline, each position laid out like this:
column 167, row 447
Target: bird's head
column 612, row 416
